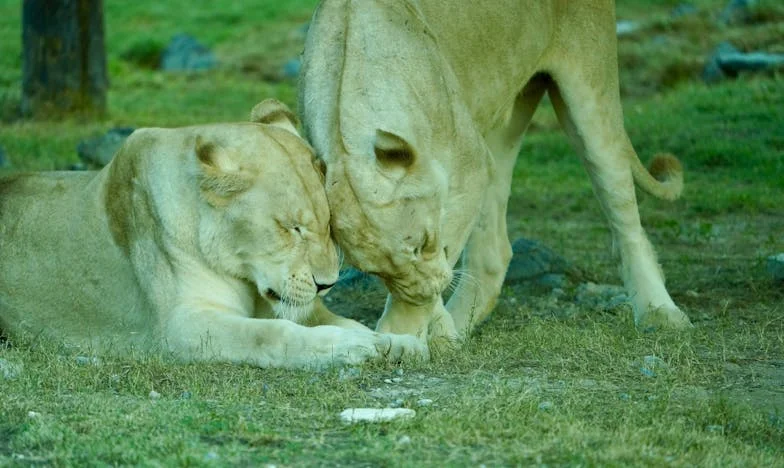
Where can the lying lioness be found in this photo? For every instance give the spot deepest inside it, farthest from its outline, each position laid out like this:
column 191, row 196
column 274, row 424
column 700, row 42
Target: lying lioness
column 418, row 108
column 191, row 240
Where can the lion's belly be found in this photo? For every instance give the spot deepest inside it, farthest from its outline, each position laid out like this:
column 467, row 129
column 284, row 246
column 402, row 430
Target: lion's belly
column 60, row 272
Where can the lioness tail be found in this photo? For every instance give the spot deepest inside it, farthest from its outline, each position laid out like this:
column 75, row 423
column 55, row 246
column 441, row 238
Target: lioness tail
column 663, row 178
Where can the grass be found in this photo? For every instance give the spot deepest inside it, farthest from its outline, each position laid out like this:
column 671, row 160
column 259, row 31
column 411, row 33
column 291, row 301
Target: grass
column 533, row 385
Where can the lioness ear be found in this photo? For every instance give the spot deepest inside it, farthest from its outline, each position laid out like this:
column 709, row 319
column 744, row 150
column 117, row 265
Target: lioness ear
column 274, row 112
column 392, row 152
column 220, row 177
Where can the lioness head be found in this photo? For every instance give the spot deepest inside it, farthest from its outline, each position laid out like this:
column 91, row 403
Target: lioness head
column 266, row 216
column 259, row 211
column 384, row 217
column 406, row 167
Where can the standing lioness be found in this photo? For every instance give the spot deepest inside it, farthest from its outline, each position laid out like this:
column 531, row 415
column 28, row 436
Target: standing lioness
column 190, row 240
column 418, row 108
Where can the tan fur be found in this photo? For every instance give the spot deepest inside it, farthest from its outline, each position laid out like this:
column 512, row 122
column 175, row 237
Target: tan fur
column 206, row 241
column 418, row 108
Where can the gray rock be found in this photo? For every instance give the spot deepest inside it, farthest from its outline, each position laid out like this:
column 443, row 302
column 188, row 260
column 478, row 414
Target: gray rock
column 9, row 370
column 552, row 281
column 532, row 261
column 734, row 63
column 626, row 27
column 546, row 406
column 713, row 71
column 600, row 296
column 349, row 373
column 291, row 68
column 728, row 62
column 99, row 151
column 775, row 266
column 3, row 159
column 185, row 53
column 651, row 365
column 737, row 11
column 356, row 279
column 88, row 361
column 684, row 9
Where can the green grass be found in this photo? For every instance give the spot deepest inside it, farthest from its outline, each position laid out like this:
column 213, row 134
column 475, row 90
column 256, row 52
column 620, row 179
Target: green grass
column 531, row 387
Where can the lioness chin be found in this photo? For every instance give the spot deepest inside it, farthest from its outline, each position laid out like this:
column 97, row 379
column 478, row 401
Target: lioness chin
column 419, row 107
column 207, row 241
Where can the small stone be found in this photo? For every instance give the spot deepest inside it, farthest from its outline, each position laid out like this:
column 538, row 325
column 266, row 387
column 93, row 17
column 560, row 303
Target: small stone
column 396, row 379
column 399, row 372
column 211, row 455
column 625, row 396
column 546, row 406
column 349, row 373
column 154, row 395
column 715, row 428
column 600, row 296
column 424, row 402
column 387, row 381
column 651, row 364
column 291, row 68
column 88, row 361
column 775, row 266
column 692, row 293
column 373, row 415
column 404, row 440
column 626, row 27
column 185, row 53
column 552, row 281
column 98, row 151
column 186, row 395
column 397, row 403
column 9, row 370
column 33, row 414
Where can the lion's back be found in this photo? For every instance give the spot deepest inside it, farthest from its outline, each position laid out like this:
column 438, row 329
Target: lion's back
column 58, row 263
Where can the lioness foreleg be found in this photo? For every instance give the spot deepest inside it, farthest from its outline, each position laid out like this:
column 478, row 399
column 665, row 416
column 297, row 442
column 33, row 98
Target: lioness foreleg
column 221, row 335
column 321, row 315
column 488, row 252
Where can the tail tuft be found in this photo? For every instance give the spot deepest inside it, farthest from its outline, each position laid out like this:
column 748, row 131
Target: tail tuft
column 665, row 166
column 663, row 178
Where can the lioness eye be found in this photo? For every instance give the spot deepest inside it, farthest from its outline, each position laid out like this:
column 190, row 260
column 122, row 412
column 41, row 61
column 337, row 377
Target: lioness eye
column 298, row 230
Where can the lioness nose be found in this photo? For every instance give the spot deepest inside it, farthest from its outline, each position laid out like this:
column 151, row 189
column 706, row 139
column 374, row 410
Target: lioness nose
column 322, row 287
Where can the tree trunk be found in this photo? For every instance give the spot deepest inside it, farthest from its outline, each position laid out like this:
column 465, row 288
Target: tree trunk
column 64, row 59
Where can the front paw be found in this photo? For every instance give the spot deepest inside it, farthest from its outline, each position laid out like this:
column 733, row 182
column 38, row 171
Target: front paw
column 442, row 335
column 401, row 348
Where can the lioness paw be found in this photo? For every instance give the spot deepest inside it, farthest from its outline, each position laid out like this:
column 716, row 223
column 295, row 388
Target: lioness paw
column 397, row 348
column 663, row 318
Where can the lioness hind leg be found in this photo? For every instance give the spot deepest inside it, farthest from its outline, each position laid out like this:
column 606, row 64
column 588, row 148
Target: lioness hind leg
column 488, row 252
column 590, row 112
